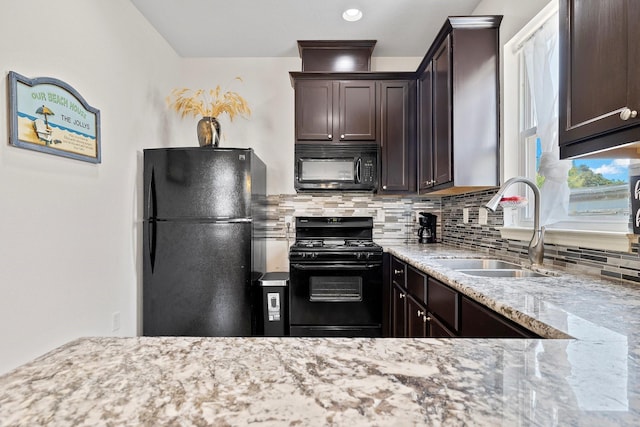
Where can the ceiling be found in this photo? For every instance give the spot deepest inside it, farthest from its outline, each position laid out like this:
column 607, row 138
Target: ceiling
column 271, row 28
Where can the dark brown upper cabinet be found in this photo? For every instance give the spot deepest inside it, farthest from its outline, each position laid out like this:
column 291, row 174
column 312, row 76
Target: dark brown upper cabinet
column 599, row 87
column 335, row 111
column 397, row 136
column 458, row 114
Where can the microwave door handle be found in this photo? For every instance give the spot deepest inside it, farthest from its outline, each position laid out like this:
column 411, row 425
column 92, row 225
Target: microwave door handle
column 358, row 169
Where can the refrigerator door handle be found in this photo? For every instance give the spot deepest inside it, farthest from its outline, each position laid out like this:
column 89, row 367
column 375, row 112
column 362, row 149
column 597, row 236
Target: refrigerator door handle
column 240, row 220
column 151, row 232
column 152, row 208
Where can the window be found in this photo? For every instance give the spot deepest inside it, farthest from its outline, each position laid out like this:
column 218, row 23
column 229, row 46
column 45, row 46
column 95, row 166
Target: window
column 579, row 194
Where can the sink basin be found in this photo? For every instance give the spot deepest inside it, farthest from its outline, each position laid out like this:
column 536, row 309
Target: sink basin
column 478, row 264
column 487, row 272
column 488, row 268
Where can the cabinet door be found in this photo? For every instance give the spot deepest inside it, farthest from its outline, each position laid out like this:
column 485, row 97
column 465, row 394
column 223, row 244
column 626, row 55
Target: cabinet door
column 314, row 110
column 436, row 329
column 598, row 68
column 398, row 312
column 397, row 148
column 398, row 273
column 442, row 108
column 443, row 302
column 416, row 319
column 425, row 129
column 357, row 111
column 417, row 285
column 478, row 321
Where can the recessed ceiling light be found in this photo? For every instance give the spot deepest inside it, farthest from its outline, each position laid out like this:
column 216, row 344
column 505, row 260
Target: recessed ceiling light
column 352, row 15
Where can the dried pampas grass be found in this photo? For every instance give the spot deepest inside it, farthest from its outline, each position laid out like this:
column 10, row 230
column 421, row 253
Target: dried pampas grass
column 211, row 103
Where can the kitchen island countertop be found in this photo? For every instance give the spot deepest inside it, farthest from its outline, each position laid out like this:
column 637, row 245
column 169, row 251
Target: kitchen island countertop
column 592, row 378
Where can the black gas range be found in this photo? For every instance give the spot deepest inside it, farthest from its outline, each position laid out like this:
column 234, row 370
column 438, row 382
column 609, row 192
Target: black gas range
column 335, row 273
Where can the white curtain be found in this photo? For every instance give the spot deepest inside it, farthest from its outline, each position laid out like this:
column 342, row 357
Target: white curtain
column 541, row 59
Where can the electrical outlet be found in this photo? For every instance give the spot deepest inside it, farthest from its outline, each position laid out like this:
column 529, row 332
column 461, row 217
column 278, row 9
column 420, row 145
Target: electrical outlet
column 483, row 216
column 465, row 215
column 115, row 321
column 288, row 219
column 417, row 217
column 380, row 217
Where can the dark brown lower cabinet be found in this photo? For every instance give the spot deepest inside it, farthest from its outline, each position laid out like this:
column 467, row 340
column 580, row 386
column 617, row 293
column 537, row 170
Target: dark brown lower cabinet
column 477, row 321
column 398, row 311
column 437, row 329
column 443, row 301
column 417, row 326
column 421, row 306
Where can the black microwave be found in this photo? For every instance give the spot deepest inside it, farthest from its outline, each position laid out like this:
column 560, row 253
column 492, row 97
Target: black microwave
column 336, row 168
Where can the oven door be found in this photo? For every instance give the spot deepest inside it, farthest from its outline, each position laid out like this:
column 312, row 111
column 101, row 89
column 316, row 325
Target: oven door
column 335, row 299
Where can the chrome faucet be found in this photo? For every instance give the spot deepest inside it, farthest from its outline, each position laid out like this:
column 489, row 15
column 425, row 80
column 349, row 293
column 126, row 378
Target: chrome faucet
column 536, row 245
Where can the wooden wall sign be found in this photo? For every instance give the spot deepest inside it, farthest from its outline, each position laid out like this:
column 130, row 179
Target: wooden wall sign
column 48, row 115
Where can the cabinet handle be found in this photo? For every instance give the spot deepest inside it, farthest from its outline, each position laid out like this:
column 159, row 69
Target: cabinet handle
column 420, row 313
column 330, row 136
column 398, row 271
column 627, row 114
column 402, row 295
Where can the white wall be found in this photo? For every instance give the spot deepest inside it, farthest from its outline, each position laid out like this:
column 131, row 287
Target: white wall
column 68, row 232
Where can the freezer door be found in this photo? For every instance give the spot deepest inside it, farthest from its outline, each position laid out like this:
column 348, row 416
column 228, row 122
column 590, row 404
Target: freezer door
column 197, row 183
column 197, row 279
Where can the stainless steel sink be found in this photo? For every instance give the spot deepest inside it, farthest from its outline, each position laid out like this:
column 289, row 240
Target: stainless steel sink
column 488, row 268
column 501, row 273
column 478, row 264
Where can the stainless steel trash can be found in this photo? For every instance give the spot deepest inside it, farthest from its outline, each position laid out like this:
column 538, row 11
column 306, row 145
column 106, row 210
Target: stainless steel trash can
column 275, row 307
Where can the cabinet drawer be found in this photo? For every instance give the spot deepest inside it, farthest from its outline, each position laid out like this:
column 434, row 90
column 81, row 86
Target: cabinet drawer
column 399, row 272
column 417, row 285
column 443, row 302
column 478, row 321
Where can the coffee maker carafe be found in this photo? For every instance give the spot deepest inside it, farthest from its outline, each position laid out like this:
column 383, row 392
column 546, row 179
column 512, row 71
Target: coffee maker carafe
column 427, row 230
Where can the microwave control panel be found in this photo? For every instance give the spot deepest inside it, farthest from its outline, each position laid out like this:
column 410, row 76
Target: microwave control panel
column 368, row 171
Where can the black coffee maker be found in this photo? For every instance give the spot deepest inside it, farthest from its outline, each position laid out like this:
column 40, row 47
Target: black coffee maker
column 427, row 230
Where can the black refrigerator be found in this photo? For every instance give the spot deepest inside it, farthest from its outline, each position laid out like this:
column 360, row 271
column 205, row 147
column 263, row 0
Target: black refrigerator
column 203, row 209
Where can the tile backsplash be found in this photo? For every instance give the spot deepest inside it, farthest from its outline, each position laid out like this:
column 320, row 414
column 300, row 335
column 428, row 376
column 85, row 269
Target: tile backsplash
column 394, row 219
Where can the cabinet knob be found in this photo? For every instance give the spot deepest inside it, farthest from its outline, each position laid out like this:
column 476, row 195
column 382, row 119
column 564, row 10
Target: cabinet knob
column 330, row 136
column 402, row 295
column 420, row 313
column 342, row 136
column 398, row 271
column 384, row 187
column 426, row 319
column 627, row 113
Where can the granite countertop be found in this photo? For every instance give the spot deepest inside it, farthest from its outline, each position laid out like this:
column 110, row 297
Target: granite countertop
column 592, row 378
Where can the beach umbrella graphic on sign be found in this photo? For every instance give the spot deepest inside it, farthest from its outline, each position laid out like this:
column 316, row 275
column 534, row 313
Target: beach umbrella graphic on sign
column 45, row 111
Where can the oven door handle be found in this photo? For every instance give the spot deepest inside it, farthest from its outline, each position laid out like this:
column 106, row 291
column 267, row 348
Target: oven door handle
column 324, row 267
